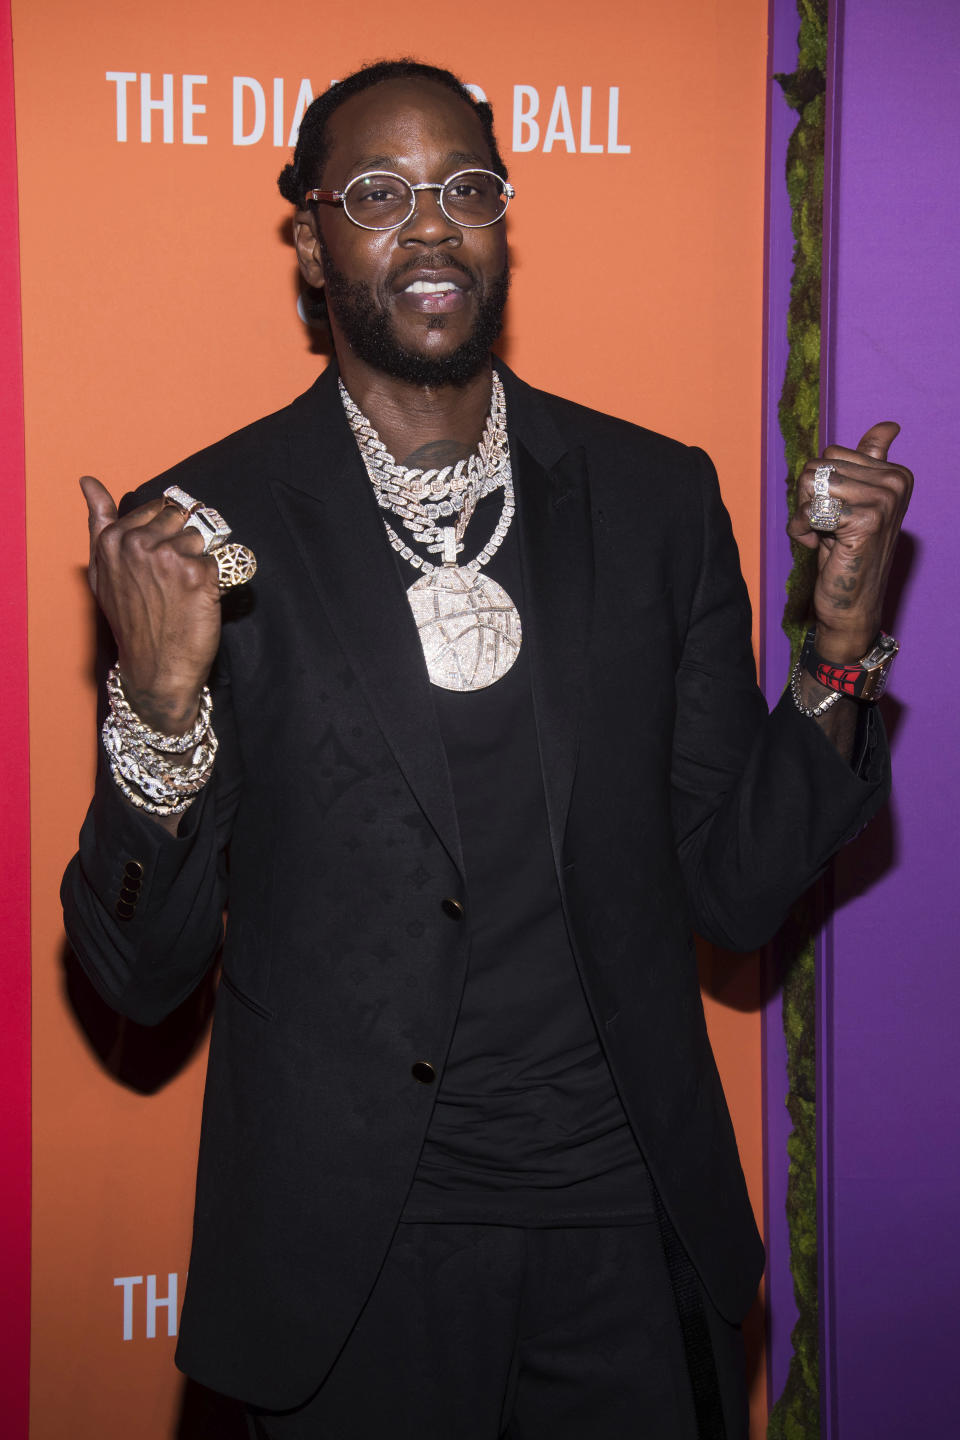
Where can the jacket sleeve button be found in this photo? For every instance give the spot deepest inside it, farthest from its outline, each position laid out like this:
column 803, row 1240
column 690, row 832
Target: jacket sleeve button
column 452, row 907
column 423, row 1071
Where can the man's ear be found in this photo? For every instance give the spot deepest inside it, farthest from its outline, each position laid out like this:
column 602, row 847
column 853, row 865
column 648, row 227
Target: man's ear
column 307, row 244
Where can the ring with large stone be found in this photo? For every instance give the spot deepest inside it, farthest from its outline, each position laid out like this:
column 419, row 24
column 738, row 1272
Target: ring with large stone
column 825, row 512
column 236, row 564
column 180, row 500
column 210, row 526
column 821, row 479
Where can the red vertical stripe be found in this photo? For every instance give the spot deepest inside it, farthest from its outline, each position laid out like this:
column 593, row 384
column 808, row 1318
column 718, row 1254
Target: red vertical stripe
column 14, row 813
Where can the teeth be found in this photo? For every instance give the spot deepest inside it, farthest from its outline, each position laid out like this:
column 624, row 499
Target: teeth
column 429, row 287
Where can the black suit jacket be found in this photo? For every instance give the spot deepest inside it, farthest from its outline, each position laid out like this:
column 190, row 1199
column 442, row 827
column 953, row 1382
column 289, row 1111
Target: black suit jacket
column 674, row 802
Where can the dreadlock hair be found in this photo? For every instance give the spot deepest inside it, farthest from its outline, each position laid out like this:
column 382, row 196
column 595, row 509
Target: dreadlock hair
column 312, row 142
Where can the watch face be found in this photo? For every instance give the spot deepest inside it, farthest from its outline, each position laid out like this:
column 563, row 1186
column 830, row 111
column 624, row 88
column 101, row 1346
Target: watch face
column 880, row 654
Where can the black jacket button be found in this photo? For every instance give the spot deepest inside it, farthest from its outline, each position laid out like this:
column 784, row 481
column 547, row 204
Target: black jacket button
column 423, row 1071
column 452, row 907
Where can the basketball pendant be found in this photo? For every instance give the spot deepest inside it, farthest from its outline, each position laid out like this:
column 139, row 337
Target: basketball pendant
column 469, row 627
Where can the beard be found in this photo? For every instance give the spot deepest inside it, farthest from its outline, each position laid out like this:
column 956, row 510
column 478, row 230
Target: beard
column 369, row 331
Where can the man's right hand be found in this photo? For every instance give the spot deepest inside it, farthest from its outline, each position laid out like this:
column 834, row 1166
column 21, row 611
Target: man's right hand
column 161, row 597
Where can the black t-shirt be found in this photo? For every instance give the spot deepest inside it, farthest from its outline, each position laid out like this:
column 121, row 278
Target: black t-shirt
column 528, row 1128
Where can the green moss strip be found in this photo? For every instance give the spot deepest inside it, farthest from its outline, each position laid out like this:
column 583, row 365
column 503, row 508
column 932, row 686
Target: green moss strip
column 796, row 1414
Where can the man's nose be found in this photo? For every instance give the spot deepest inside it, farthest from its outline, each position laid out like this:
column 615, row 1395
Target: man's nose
column 428, row 225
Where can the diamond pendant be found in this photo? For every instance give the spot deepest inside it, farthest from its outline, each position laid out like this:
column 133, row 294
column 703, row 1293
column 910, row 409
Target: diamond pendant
column 468, row 625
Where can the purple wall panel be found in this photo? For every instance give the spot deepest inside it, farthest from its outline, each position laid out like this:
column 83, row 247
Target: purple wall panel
column 891, row 1112
column 774, row 661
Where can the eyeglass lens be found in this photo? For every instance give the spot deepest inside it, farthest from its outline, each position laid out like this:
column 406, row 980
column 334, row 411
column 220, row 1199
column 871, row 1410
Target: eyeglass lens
column 379, row 201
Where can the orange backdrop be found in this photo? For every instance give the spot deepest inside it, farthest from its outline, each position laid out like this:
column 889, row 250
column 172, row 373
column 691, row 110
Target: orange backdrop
column 159, row 312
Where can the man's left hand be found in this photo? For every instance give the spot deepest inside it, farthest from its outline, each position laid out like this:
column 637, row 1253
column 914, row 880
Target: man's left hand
column 854, row 560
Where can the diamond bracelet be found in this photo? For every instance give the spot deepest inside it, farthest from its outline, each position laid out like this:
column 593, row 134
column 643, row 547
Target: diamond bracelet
column 140, row 758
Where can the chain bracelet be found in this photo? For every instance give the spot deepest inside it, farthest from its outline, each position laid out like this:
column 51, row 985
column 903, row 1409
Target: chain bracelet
column 140, row 759
column 169, row 744
column 812, row 712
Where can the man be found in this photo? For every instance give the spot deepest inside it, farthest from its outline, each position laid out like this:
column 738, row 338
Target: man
column 466, row 1169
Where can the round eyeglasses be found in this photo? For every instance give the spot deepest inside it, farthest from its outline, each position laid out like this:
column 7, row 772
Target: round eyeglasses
column 380, row 200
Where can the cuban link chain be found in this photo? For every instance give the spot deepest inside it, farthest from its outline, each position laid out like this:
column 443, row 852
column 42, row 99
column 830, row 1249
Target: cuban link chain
column 469, row 627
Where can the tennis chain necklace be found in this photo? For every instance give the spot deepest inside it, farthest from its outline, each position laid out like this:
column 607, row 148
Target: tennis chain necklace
column 469, row 627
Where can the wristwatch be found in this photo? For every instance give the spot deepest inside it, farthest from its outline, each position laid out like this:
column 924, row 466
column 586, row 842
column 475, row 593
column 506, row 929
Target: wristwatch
column 866, row 679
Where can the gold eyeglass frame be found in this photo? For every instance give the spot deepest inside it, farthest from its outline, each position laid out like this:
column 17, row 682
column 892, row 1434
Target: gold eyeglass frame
column 338, row 197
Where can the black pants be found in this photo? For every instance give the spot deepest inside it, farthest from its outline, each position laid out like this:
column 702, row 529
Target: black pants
column 475, row 1332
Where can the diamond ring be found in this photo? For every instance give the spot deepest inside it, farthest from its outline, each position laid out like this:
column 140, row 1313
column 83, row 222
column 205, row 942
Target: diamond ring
column 210, row 526
column 180, row 500
column 821, row 479
column 825, row 509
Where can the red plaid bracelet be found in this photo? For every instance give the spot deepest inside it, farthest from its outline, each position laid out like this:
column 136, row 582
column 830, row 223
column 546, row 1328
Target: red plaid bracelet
column 865, row 679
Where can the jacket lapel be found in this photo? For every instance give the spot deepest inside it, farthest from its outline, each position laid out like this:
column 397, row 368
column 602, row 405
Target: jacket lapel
column 336, row 526
column 557, row 554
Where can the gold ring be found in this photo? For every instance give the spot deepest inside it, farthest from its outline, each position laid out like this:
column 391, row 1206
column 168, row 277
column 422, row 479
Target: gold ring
column 236, row 564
